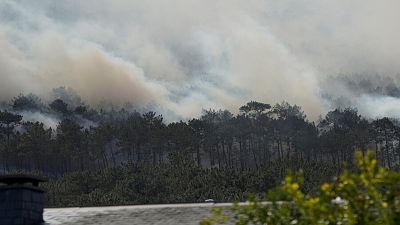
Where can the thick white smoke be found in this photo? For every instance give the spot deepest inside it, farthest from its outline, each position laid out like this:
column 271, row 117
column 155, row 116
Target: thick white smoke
column 185, row 55
column 48, row 120
column 379, row 106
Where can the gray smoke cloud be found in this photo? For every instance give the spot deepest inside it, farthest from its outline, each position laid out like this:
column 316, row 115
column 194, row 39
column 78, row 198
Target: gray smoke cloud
column 184, row 55
column 373, row 95
column 48, row 120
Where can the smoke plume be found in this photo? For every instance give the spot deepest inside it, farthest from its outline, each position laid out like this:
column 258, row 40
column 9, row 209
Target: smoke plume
column 184, row 55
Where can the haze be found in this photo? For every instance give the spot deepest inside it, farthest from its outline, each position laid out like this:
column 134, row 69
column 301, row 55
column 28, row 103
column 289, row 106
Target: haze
column 181, row 56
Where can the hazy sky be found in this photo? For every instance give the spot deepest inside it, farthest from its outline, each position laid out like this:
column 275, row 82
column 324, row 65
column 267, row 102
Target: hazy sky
column 185, row 55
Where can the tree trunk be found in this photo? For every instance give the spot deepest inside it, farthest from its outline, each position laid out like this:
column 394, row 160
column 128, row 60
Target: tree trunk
column 198, row 155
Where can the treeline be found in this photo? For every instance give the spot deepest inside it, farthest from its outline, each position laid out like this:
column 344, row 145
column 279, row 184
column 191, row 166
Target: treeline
column 258, row 135
column 108, row 156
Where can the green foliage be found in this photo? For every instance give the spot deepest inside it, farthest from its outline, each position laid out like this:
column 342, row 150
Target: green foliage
column 59, row 106
column 28, row 102
column 166, row 183
column 370, row 195
column 134, row 158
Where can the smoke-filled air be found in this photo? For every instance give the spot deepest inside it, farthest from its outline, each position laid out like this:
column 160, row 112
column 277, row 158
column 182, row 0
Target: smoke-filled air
column 207, row 102
column 181, row 56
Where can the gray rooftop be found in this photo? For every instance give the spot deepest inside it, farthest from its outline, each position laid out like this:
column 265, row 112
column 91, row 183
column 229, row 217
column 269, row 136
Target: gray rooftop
column 175, row 214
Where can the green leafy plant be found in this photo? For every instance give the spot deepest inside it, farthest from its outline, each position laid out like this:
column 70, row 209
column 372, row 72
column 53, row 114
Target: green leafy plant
column 368, row 195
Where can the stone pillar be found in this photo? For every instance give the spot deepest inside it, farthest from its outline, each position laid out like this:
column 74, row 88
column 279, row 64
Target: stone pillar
column 21, row 200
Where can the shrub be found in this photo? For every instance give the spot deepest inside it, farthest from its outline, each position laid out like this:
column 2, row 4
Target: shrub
column 369, row 195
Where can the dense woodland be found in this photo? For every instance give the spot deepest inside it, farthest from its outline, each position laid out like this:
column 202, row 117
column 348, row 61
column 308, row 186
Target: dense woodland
column 109, row 156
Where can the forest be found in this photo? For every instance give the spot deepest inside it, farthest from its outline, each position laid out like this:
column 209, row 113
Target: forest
column 113, row 156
